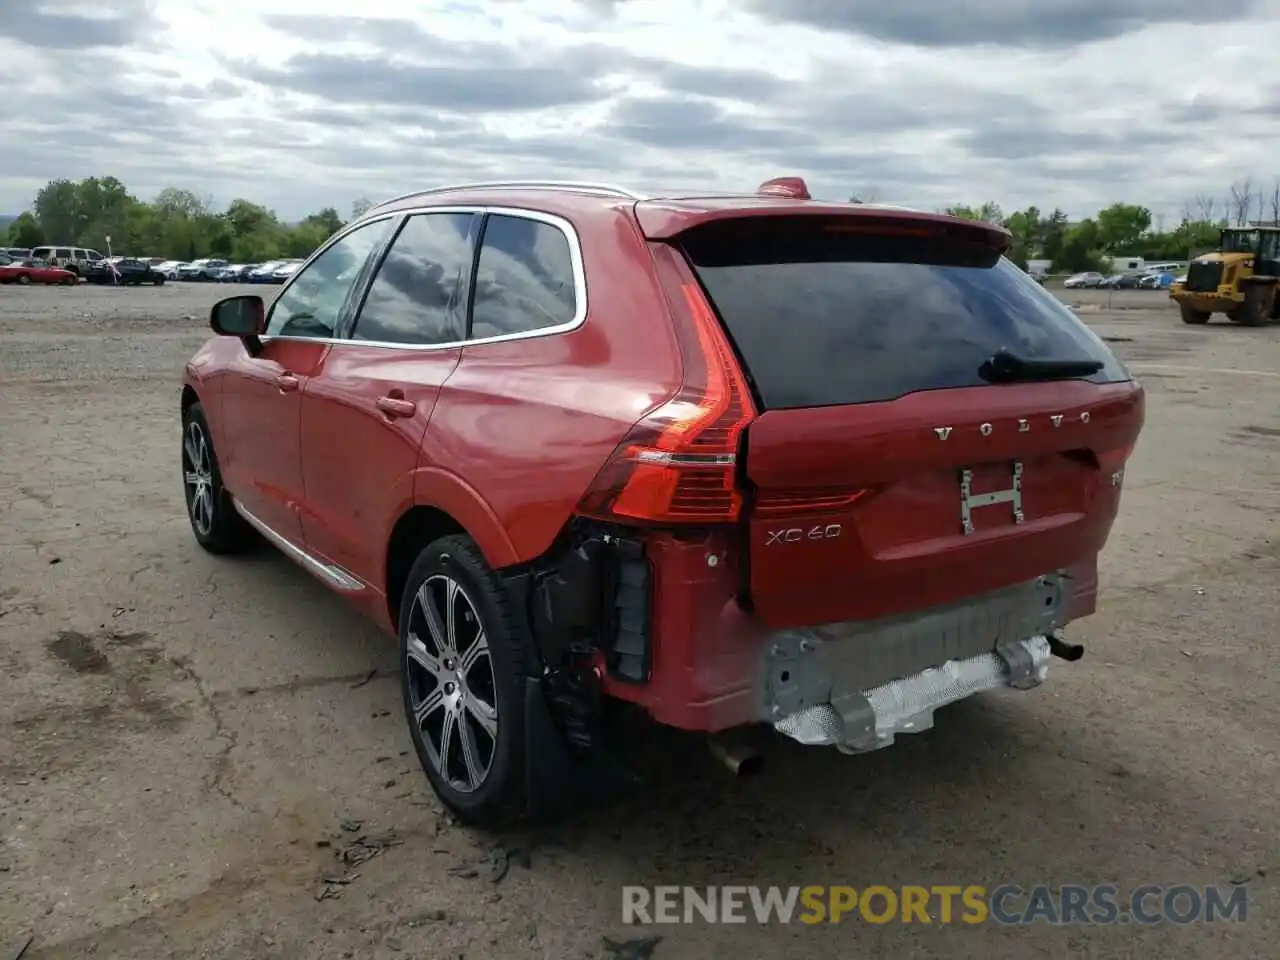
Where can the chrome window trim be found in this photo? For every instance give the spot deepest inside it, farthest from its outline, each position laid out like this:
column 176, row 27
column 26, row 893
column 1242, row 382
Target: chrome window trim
column 551, row 219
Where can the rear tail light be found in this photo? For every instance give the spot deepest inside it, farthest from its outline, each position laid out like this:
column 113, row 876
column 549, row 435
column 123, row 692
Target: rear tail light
column 804, row 502
column 679, row 463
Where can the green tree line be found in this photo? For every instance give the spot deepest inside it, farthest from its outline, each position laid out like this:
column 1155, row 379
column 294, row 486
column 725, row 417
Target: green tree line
column 180, row 225
column 1121, row 229
column 176, row 224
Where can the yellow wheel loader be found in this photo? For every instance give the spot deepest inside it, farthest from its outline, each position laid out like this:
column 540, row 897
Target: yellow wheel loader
column 1239, row 280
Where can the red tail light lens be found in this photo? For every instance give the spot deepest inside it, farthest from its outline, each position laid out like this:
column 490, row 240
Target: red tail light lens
column 679, row 464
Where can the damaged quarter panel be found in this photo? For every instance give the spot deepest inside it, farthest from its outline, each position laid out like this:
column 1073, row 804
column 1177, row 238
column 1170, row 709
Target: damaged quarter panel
column 530, row 421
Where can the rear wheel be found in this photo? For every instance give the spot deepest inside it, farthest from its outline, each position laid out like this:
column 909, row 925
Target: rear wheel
column 1191, row 315
column 69, row 281
column 463, row 667
column 158, row 280
column 1256, row 309
column 24, row 278
column 214, row 520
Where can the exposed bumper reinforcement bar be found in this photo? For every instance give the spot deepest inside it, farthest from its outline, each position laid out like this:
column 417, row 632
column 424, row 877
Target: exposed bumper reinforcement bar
column 869, row 721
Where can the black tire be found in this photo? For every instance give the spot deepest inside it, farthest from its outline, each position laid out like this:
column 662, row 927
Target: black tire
column 1256, row 309
column 1191, row 315
column 217, row 527
column 24, row 278
column 159, row 280
column 498, row 796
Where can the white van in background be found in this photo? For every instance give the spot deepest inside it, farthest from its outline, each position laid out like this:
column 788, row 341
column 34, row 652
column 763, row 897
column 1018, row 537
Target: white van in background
column 68, row 257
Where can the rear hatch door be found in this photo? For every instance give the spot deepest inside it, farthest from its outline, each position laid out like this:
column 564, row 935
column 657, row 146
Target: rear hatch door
column 933, row 424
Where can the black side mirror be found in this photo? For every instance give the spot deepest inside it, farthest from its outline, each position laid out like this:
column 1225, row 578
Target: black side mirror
column 244, row 317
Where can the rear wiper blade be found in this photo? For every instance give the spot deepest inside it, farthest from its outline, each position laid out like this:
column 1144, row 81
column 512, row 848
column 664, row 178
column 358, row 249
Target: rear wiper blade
column 1006, row 367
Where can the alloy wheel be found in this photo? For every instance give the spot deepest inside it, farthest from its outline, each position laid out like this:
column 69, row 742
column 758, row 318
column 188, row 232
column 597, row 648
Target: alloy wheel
column 197, row 472
column 452, row 685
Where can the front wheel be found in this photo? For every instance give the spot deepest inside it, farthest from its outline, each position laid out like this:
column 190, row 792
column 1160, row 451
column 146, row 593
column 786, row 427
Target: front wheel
column 463, row 665
column 158, row 281
column 24, row 278
column 1193, row 316
column 217, row 526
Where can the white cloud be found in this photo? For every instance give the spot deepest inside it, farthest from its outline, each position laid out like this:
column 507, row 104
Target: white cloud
column 926, row 101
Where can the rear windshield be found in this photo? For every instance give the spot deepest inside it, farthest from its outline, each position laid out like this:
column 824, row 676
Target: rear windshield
column 823, row 317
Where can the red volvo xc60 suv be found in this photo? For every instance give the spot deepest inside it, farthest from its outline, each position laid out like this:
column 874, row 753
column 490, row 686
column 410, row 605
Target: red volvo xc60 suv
column 735, row 459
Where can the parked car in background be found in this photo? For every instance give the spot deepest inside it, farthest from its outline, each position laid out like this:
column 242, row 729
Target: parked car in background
column 235, row 272
column 1159, row 280
column 1121, row 281
column 264, row 272
column 124, row 272
column 284, row 272
column 169, row 268
column 72, row 258
column 575, row 443
column 1088, row 280
column 31, row 270
column 202, row 270
column 16, row 253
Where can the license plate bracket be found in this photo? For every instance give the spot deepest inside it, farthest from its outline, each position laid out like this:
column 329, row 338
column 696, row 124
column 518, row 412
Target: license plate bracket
column 970, row 501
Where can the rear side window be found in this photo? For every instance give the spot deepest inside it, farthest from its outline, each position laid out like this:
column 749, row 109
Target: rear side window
column 415, row 296
column 524, row 278
column 822, row 317
column 62, row 253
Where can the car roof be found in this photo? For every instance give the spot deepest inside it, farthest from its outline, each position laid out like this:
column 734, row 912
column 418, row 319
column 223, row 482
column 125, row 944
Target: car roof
column 666, row 210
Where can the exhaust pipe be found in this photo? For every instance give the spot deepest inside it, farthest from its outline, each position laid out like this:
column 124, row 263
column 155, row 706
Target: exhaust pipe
column 1063, row 650
column 742, row 759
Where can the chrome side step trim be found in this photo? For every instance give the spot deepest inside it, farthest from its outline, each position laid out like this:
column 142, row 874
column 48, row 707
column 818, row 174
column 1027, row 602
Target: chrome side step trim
column 333, row 575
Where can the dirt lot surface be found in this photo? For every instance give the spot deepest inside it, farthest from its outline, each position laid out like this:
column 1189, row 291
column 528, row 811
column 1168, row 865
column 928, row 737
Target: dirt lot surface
column 181, row 737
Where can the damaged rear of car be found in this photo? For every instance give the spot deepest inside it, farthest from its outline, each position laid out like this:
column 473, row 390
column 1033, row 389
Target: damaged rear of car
column 882, row 487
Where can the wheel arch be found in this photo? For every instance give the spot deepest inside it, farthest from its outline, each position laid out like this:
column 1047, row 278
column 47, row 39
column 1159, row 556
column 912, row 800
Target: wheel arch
column 443, row 505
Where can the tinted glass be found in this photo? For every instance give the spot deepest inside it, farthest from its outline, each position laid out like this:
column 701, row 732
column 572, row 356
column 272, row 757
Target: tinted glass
column 62, row 253
column 311, row 305
column 415, row 296
column 1269, row 245
column 857, row 319
column 524, row 278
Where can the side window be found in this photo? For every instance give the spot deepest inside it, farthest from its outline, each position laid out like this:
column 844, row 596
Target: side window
column 414, row 297
column 312, row 304
column 524, row 278
column 1269, row 247
column 62, row 253
column 93, row 256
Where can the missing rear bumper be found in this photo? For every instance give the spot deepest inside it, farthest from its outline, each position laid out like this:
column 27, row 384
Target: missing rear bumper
column 860, row 723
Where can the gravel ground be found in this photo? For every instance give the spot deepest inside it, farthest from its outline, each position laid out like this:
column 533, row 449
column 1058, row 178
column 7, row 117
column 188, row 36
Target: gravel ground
column 182, row 736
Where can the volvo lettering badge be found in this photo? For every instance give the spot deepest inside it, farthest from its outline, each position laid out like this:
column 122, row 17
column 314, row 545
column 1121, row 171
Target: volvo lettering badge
column 1024, row 425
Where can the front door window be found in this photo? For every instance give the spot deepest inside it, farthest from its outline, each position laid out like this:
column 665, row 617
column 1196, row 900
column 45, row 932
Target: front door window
column 311, row 306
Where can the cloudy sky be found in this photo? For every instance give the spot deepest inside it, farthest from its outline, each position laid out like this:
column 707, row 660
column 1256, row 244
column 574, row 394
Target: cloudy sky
column 1072, row 103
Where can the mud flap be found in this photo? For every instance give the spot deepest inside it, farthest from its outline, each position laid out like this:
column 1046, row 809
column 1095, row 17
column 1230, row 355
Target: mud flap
column 557, row 782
